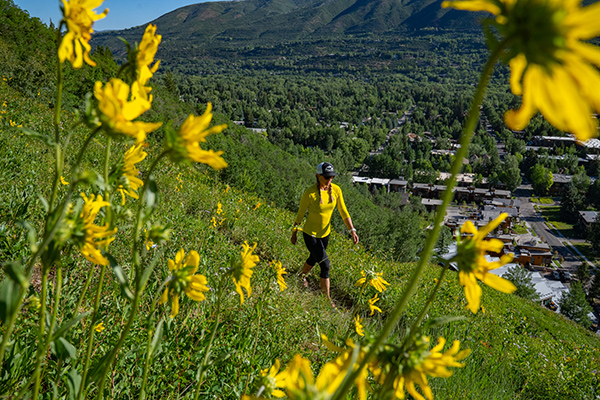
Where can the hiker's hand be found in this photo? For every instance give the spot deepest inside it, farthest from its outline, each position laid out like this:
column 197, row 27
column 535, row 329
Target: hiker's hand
column 294, row 237
column 354, row 237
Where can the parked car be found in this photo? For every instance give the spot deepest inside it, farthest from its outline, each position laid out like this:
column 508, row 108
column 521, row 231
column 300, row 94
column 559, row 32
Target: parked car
column 555, row 275
column 566, row 276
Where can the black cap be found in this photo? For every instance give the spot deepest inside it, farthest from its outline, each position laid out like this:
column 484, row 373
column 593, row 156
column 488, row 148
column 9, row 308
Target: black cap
column 326, row 169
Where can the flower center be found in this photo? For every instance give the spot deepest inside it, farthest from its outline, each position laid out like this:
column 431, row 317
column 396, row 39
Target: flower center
column 538, row 27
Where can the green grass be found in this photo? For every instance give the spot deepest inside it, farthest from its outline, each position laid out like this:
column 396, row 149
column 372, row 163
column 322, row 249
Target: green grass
column 586, row 249
column 516, row 345
column 520, row 228
column 552, row 216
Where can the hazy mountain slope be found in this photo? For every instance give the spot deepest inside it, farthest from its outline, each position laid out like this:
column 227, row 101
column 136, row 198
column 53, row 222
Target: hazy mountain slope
column 268, row 21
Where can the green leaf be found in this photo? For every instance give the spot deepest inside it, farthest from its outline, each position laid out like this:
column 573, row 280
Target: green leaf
column 156, row 340
column 63, row 349
column 69, row 324
column 151, row 197
column 74, row 383
column 9, row 298
column 148, row 270
column 120, row 275
column 14, row 270
column 48, row 140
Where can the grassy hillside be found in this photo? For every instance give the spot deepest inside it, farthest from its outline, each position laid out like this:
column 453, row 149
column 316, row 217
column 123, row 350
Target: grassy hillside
column 519, row 349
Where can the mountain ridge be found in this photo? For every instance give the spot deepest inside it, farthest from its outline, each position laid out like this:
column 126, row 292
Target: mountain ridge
column 276, row 21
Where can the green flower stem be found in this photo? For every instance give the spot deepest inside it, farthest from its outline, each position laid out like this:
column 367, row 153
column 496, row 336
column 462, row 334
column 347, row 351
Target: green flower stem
column 148, row 360
column 138, row 284
column 44, row 342
column 85, row 289
column 414, row 327
column 91, row 335
column 212, row 338
column 461, row 153
column 57, row 111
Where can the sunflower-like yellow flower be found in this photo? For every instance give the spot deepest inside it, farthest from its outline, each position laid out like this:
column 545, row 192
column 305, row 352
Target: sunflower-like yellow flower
column 94, row 237
column 219, row 208
column 472, row 265
column 398, row 370
column 78, row 15
column 145, row 55
column 551, row 62
column 358, row 326
column 132, row 156
column 117, row 112
column 280, row 271
column 433, row 363
column 193, row 132
column 183, row 280
column 335, row 371
column 372, row 306
column 300, row 383
column 271, row 380
column 242, row 270
column 372, row 278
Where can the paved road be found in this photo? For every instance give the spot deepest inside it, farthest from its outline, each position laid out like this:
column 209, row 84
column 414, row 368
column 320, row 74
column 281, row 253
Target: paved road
column 550, row 236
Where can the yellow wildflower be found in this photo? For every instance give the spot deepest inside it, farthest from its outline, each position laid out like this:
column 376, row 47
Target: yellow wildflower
column 183, row 280
column 117, row 112
column 145, row 55
column 300, row 383
column 134, row 155
column 472, row 265
column 193, row 132
column 149, row 244
column 399, row 370
column 334, row 371
column 358, row 326
column 219, row 208
column 79, row 15
column 280, row 271
column 214, row 222
column 63, row 180
column 372, row 278
column 551, row 62
column 242, row 270
column 271, row 380
column 257, row 205
column 99, row 327
column 94, row 237
column 372, row 305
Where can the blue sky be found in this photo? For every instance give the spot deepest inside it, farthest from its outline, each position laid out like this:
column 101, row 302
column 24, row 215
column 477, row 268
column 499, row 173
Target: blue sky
column 122, row 13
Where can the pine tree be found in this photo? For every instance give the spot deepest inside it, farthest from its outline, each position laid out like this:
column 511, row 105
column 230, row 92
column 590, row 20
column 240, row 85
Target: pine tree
column 574, row 306
column 522, row 280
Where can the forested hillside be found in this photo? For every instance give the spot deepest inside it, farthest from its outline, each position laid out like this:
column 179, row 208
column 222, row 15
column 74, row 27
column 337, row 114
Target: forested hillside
column 283, row 114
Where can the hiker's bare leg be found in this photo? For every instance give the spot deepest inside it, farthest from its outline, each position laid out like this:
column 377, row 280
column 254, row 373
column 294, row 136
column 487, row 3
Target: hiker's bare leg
column 325, row 287
column 305, row 270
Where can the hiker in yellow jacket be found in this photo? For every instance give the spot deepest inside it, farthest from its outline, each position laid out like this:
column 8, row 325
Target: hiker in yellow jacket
column 320, row 200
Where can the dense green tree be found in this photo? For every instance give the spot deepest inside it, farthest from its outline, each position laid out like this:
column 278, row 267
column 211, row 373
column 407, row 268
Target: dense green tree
column 594, row 292
column 511, row 173
column 521, row 278
column 571, row 202
column 541, row 179
column 573, row 305
column 593, row 235
column 583, row 273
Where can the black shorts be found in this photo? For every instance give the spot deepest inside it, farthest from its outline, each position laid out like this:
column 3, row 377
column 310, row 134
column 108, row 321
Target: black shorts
column 316, row 247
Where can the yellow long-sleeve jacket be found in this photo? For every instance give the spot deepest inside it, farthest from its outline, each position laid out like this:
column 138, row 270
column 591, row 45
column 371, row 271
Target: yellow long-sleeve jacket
column 318, row 221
